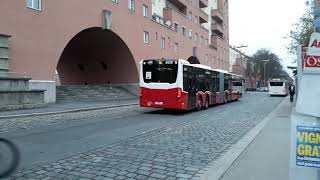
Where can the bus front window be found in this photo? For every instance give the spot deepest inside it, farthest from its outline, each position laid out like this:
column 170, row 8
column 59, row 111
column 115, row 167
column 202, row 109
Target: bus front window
column 276, row 83
column 236, row 83
column 160, row 71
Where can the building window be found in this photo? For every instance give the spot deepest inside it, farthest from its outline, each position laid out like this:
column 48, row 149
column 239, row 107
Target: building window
column 163, row 42
column 184, row 31
column 196, row 19
column 176, row 47
column 34, row 4
column 176, row 26
column 145, row 10
column 156, row 35
column 190, row 34
column 115, row 1
column 201, row 40
column 196, row 37
column 131, row 5
column 207, row 58
column 107, row 19
column 190, row 15
column 146, row 37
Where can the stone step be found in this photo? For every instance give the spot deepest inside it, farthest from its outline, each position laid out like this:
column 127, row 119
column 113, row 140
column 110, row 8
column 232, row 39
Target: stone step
column 4, row 40
column 4, row 63
column 21, row 99
column 13, row 83
column 14, row 88
column 4, row 51
column 92, row 92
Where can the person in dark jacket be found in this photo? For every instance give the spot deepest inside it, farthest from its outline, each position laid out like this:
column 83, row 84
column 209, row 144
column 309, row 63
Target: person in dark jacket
column 292, row 92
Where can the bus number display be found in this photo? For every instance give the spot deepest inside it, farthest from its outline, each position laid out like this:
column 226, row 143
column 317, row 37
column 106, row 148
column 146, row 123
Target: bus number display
column 148, row 75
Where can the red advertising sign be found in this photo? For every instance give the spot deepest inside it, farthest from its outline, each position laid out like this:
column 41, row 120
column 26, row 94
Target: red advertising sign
column 311, row 55
column 312, row 62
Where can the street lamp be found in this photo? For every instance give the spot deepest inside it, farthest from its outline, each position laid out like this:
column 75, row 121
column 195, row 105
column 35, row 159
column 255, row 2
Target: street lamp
column 264, row 71
column 241, row 46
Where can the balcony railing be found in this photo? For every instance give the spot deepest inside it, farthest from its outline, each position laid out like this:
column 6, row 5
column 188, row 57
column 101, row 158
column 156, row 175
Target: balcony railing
column 203, row 17
column 217, row 15
column 203, row 3
column 181, row 4
column 215, row 40
column 173, row 15
column 217, row 28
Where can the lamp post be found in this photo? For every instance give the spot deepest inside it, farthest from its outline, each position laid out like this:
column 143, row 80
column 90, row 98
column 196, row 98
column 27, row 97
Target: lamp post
column 238, row 48
column 241, row 46
column 264, row 71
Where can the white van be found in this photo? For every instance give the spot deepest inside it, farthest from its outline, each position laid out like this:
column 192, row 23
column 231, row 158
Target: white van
column 278, row 87
column 237, row 86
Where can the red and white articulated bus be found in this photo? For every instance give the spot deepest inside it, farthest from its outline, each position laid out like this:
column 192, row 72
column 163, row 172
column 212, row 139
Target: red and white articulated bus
column 177, row 84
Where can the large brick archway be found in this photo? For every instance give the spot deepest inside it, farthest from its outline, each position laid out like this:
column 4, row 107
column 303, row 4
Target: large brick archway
column 97, row 56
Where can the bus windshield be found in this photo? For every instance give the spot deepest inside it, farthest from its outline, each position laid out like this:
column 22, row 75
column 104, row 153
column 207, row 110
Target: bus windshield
column 235, row 83
column 160, row 71
column 276, row 83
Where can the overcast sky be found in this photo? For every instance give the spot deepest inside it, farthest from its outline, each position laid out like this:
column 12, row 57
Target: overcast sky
column 263, row 24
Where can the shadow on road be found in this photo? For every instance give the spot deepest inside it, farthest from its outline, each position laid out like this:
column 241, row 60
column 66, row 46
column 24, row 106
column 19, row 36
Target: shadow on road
column 170, row 112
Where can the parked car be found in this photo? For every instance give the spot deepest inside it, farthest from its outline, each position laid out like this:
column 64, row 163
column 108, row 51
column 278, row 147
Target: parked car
column 262, row 89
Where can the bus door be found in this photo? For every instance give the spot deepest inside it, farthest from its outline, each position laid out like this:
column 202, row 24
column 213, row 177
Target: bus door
column 189, row 85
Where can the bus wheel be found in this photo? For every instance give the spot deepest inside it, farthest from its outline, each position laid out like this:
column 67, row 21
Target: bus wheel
column 199, row 104
column 207, row 103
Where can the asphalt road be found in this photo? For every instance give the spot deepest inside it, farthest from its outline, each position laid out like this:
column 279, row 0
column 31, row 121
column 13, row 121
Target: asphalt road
column 131, row 142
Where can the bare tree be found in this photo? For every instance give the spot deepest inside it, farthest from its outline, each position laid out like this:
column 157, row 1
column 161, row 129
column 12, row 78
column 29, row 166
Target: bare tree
column 303, row 29
column 265, row 65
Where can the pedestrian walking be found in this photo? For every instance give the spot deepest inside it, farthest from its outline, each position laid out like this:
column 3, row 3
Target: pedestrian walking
column 292, row 92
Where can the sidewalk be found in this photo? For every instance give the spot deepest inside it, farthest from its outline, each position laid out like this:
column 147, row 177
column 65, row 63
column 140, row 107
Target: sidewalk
column 67, row 106
column 267, row 157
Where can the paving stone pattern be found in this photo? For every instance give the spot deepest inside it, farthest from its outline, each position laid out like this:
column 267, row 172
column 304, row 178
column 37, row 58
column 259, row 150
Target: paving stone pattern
column 180, row 151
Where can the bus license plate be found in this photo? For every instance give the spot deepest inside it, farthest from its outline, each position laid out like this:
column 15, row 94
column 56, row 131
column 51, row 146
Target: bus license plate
column 158, row 103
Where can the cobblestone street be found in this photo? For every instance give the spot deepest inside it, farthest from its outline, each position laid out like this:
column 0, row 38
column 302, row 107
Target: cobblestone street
column 21, row 123
column 180, row 148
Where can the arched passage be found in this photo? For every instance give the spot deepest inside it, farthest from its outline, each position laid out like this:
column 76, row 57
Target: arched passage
column 97, row 56
column 193, row 60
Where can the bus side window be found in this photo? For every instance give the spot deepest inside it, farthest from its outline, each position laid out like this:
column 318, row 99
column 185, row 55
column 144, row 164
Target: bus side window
column 230, row 85
column 225, row 84
column 186, row 80
column 209, row 84
column 192, row 84
column 217, row 82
